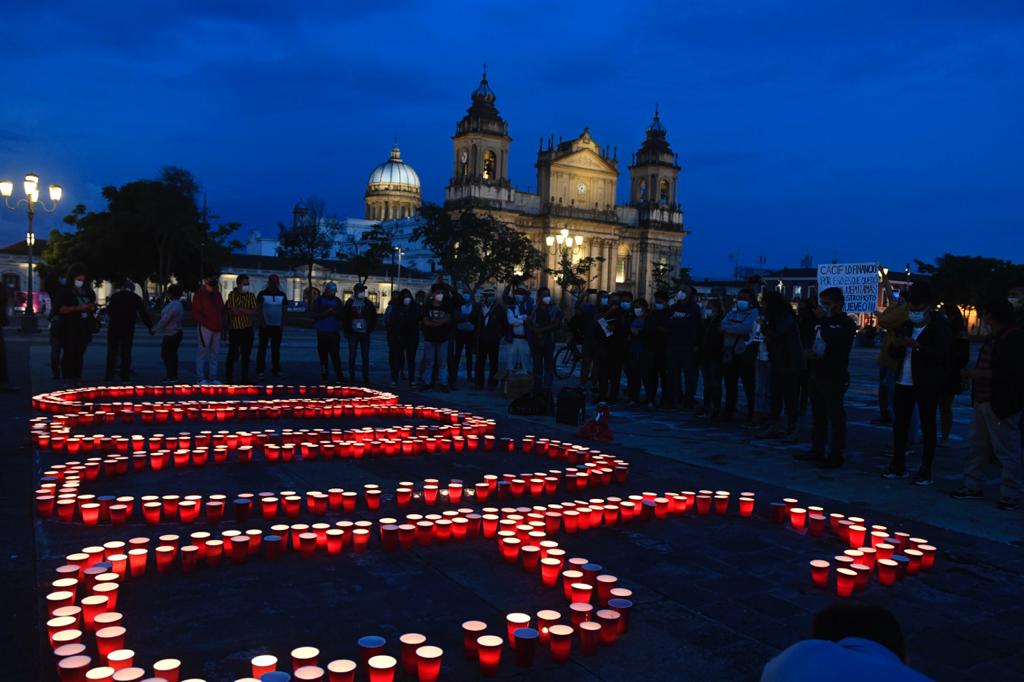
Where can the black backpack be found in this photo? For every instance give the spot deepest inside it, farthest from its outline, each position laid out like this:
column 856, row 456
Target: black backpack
column 571, row 407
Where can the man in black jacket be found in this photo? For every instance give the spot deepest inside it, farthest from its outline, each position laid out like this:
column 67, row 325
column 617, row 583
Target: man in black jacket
column 828, row 359
column 998, row 394
column 358, row 320
column 490, row 322
column 681, row 355
column 123, row 308
column 922, row 347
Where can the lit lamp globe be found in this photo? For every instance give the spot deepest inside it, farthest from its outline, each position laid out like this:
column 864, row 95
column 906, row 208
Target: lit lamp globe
column 6, row 189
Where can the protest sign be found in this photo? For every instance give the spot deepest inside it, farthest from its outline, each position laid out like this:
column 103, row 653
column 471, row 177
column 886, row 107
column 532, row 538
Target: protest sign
column 859, row 282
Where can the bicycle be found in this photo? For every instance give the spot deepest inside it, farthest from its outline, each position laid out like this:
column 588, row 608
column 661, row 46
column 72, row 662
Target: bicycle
column 567, row 358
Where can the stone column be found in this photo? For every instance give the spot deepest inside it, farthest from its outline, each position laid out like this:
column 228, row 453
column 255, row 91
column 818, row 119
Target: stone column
column 613, row 259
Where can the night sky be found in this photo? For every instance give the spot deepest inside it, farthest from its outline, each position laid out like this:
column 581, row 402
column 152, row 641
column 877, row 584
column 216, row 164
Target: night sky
column 875, row 131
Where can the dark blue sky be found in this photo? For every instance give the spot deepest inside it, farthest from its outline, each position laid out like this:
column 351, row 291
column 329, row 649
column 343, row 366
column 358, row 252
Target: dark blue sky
column 881, row 131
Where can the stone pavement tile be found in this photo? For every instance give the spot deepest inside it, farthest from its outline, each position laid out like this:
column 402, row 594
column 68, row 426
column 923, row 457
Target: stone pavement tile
column 963, row 645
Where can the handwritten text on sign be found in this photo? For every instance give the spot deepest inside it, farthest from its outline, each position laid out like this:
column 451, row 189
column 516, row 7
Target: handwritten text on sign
column 859, row 282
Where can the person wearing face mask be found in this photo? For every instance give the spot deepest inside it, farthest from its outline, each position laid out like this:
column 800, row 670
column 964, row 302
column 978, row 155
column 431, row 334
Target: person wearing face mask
column 517, row 313
column 543, row 323
column 124, row 308
column 358, row 320
column 589, row 307
column 210, row 316
column 490, row 322
column 241, row 309
column 682, row 355
column 465, row 332
column 437, row 324
column 272, row 304
column 638, row 358
column 168, row 327
column 658, row 368
column 922, row 347
column 739, row 354
column 403, row 325
column 77, row 308
column 326, row 312
column 829, row 361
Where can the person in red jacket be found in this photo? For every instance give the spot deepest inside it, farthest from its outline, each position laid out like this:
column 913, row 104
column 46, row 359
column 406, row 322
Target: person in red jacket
column 209, row 314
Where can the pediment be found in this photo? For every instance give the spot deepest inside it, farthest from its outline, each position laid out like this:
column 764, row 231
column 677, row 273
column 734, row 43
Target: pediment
column 586, row 159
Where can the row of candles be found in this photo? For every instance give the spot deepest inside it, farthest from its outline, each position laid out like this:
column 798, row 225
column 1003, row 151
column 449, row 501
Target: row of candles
column 85, row 398
column 870, row 549
column 59, row 491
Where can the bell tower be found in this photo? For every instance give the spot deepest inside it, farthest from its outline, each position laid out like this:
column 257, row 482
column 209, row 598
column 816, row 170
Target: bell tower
column 480, row 147
column 654, row 176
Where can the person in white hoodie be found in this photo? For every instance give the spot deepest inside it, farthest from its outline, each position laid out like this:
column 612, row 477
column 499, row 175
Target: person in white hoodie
column 518, row 313
column 169, row 328
column 738, row 354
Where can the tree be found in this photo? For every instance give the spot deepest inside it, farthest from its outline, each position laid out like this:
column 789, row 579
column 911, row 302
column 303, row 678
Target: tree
column 573, row 276
column 152, row 231
column 476, row 248
column 664, row 280
column 310, row 238
column 969, row 280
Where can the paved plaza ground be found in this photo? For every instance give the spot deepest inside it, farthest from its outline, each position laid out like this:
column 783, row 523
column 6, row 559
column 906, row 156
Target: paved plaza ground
column 716, row 597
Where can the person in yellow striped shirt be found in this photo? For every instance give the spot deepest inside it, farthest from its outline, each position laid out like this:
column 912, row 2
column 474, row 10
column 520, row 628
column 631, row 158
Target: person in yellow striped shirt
column 241, row 308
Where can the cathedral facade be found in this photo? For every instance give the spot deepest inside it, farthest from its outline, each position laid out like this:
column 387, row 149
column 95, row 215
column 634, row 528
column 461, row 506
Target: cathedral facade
column 577, row 182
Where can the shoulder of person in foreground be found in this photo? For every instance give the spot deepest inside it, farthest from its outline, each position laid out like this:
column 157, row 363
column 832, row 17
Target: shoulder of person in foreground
column 852, row 659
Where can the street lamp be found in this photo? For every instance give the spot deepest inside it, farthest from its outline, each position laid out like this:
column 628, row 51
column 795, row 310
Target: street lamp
column 562, row 244
column 31, row 200
column 396, row 251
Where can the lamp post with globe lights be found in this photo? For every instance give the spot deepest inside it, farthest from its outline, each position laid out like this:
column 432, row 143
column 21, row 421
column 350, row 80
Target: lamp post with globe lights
column 562, row 245
column 31, row 201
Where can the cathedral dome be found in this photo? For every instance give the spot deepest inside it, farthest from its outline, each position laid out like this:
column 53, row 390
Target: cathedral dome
column 394, row 174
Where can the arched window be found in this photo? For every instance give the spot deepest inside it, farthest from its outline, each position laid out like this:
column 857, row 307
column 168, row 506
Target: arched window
column 489, row 164
column 663, row 193
column 643, row 190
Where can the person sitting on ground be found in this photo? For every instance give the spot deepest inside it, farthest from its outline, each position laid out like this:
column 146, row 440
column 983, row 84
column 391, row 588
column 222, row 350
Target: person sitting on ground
column 849, row 643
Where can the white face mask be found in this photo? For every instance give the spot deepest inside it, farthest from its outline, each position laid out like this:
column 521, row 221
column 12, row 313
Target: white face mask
column 438, row 297
column 742, row 305
column 547, row 300
column 682, row 296
column 406, row 300
column 361, row 295
column 79, row 283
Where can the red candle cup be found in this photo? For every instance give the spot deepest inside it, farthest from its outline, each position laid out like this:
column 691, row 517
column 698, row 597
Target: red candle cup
column 581, row 593
column 561, row 642
column 381, row 668
column 489, row 653
column 779, row 512
column 304, row 656
column 609, row 620
column 623, row 606
column 746, row 506
column 820, row 572
column 928, row 553
column 797, row 517
column 856, row 535
column 109, row 639
column 914, row 557
column 341, row 670
column 411, row 641
column 846, row 579
column 703, row 507
column 428, row 663
column 370, row 646
column 590, row 636
column 513, row 622
column 886, row 572
column 471, row 630
column 816, row 524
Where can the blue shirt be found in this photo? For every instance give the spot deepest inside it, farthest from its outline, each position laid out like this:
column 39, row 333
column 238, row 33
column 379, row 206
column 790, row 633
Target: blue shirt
column 849, row 660
column 331, row 322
